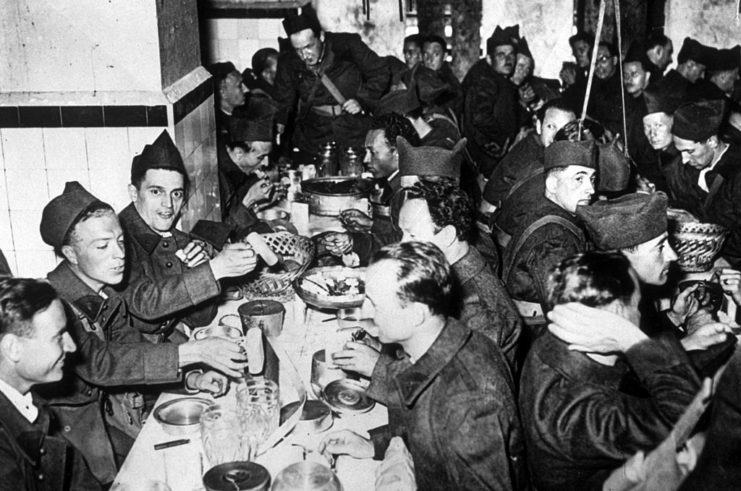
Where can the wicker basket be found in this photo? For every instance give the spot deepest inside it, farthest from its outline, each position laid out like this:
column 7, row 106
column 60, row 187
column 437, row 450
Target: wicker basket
column 270, row 285
column 697, row 244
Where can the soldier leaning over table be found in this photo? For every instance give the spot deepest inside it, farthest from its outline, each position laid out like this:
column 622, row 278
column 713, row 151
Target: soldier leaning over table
column 97, row 407
column 170, row 276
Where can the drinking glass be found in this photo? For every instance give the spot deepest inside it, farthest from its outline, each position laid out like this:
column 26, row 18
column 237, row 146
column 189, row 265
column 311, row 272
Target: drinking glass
column 223, row 437
column 264, row 394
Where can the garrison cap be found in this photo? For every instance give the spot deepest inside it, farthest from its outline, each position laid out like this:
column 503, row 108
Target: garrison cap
column 698, row 121
column 63, row 211
column 566, row 153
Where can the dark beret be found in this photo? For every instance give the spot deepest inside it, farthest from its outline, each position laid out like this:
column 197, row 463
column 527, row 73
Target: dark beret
column 509, row 35
column 626, row 221
column 637, row 53
column 242, row 129
column 695, row 51
column 162, row 154
column 614, row 168
column 307, row 19
column 61, row 212
column 661, row 101
column 566, row 153
column 725, row 59
column 429, row 161
column 698, row 121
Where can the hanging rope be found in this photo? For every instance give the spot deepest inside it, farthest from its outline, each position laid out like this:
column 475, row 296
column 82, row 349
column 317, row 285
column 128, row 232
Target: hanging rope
column 620, row 65
column 597, row 36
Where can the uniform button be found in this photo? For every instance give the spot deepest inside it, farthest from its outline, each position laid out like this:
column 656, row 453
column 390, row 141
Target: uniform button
column 169, row 264
column 67, row 428
column 42, row 451
column 105, row 306
column 89, row 392
column 165, row 244
column 40, row 476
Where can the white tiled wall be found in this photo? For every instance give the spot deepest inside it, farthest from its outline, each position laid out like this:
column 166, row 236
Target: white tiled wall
column 236, row 40
column 37, row 162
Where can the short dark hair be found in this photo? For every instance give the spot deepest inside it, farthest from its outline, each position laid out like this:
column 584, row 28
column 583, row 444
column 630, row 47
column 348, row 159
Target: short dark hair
column 558, row 103
column 414, row 39
column 610, row 47
column 448, row 205
column 94, row 209
column 244, row 146
column 139, row 179
column 433, row 38
column 423, row 274
column 393, row 125
column 594, row 279
column 656, row 38
column 260, row 59
column 20, row 300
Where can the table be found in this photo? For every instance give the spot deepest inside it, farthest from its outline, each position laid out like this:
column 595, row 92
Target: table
column 303, row 334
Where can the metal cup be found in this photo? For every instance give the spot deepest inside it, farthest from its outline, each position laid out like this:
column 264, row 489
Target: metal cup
column 323, row 373
column 268, row 314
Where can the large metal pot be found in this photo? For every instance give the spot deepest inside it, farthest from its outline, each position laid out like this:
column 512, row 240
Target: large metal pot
column 328, row 196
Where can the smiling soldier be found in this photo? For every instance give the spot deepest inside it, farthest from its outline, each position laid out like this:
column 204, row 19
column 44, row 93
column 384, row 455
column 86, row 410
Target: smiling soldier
column 170, row 275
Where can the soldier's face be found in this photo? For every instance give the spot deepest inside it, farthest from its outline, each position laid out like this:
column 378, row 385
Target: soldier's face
column 159, row 198
column 503, row 59
column 412, row 54
column 252, row 159
column 695, row 154
column 96, row 252
column 571, row 187
column 232, row 92
column 434, row 56
column 307, row 46
column 666, row 56
column 523, row 69
column 42, row 353
column 416, row 223
column 394, row 321
column 606, row 64
column 694, row 71
column 581, row 53
column 380, row 158
column 725, row 80
column 658, row 129
column 651, row 260
column 635, row 78
column 554, row 120
column 268, row 73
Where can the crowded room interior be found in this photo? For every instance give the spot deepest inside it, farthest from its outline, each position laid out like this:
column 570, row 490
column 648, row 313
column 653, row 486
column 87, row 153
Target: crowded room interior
column 358, row 245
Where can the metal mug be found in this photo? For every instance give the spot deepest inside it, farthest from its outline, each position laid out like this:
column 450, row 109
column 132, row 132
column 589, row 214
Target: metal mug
column 268, row 314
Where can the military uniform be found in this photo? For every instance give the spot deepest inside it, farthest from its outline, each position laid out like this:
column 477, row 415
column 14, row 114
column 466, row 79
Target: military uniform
column 160, row 289
column 356, row 71
column 489, row 118
column 520, row 162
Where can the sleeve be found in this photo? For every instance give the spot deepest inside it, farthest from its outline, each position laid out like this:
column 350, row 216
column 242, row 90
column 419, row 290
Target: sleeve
column 286, row 89
column 151, row 298
column 614, row 425
column 554, row 244
column 477, row 440
column 375, row 70
column 110, row 364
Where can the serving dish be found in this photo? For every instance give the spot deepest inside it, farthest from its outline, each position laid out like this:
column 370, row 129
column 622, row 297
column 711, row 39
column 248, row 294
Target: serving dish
column 323, row 287
column 181, row 416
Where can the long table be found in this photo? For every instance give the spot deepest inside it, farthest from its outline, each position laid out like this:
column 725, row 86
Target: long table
column 303, row 334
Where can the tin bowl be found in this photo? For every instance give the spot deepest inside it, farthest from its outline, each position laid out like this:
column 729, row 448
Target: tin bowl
column 181, row 416
column 316, row 417
column 325, row 300
column 306, row 476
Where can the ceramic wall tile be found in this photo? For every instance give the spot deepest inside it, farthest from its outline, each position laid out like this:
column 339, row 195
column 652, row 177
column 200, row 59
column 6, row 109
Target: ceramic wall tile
column 65, row 148
column 111, row 186
column 26, row 235
column 225, row 29
column 23, row 148
column 27, row 189
column 107, row 147
column 4, row 203
column 35, row 263
column 6, row 232
column 270, row 30
column 57, row 178
column 140, row 136
column 249, row 28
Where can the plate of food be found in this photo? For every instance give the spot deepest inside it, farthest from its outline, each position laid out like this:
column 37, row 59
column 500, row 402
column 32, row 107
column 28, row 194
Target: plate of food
column 332, row 287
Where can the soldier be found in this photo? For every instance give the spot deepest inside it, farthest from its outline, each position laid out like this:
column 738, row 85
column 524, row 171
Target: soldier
column 329, row 81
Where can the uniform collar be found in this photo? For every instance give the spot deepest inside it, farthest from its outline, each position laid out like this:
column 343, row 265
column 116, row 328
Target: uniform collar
column 74, row 290
column 577, row 366
column 29, row 437
column 470, row 265
column 413, row 381
column 137, row 228
column 23, row 403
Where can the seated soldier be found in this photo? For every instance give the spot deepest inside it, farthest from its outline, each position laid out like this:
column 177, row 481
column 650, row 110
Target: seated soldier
column 636, row 225
column 435, row 49
column 229, row 93
column 707, row 180
column 98, row 404
column 34, row 343
column 162, row 287
column 579, row 423
column 549, row 233
column 451, row 395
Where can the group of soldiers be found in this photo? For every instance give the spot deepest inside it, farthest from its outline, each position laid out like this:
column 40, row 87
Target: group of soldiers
column 516, row 257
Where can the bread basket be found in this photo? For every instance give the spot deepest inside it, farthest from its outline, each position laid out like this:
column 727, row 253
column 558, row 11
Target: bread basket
column 697, row 244
column 268, row 284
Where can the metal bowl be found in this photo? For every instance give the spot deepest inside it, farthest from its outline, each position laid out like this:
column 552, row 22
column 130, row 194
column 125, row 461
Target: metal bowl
column 328, row 196
column 315, row 418
column 181, row 416
column 306, row 476
column 327, row 301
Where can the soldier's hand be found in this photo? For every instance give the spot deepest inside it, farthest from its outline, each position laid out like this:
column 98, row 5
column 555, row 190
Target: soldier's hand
column 260, row 191
column 337, row 243
column 592, row 330
column 527, row 94
column 730, row 281
column 705, row 337
column 346, row 442
column 351, row 106
column 221, row 354
column 195, row 253
column 234, row 260
column 355, row 220
column 357, row 357
column 213, row 382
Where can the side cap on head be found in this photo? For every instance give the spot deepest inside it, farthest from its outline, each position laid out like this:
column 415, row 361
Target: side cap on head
column 566, row 153
column 430, row 161
column 62, row 211
column 698, row 121
column 626, row 221
column 162, row 154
